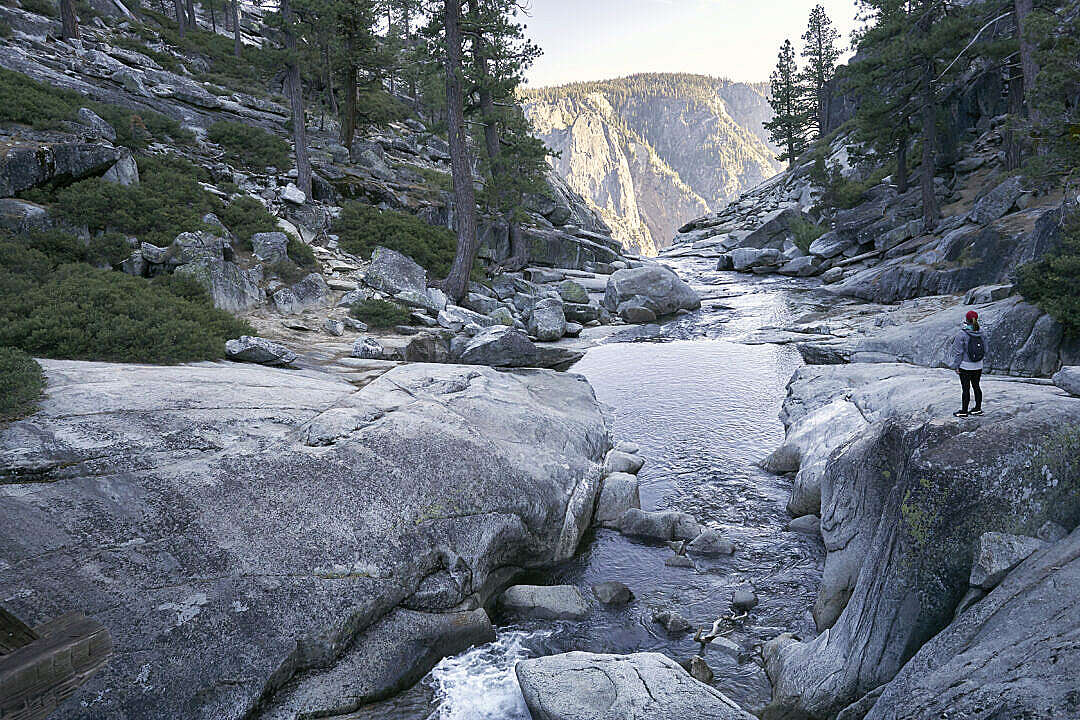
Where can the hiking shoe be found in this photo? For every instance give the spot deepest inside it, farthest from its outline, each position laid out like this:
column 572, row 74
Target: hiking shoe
column 961, row 413
column 976, row 411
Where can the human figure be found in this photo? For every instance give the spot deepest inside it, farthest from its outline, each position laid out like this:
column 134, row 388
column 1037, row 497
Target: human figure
column 969, row 349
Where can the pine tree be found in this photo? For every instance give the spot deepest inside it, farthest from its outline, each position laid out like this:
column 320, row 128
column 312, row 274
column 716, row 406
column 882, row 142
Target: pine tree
column 819, row 49
column 457, row 281
column 514, row 161
column 69, row 22
column 791, row 116
column 1053, row 98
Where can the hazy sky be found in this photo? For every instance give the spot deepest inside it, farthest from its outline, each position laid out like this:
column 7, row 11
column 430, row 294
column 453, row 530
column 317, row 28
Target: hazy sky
column 598, row 39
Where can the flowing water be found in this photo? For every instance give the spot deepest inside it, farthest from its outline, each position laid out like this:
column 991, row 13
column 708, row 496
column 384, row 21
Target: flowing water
column 703, row 408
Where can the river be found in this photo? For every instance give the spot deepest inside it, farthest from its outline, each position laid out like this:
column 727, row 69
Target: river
column 702, row 404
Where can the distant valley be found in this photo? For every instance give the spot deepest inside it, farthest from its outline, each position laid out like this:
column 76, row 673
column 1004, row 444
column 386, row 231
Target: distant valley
column 649, row 151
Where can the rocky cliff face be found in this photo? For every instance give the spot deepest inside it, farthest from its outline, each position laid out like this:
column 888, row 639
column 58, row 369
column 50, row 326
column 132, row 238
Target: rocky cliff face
column 648, row 151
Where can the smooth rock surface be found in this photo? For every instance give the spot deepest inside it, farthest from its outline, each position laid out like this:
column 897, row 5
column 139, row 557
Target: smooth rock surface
column 996, row 554
column 1011, row 655
column 642, row 686
column 184, row 508
column 544, row 602
column 903, row 505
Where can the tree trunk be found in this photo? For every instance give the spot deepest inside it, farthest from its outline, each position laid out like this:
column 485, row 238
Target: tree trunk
column 348, row 117
column 1013, row 153
column 929, row 155
column 192, row 20
column 1027, row 50
column 901, row 166
column 328, row 71
column 181, row 22
column 457, row 281
column 213, row 19
column 68, row 20
column 296, row 103
column 237, row 44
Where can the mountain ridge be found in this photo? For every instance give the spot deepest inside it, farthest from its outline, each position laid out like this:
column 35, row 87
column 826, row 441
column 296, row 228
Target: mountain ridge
column 647, row 149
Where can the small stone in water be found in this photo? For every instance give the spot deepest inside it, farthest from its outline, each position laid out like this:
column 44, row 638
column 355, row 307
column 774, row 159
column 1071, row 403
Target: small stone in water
column 672, row 621
column 628, row 447
column 743, row 599
column 807, row 525
column 612, row 593
column 678, row 561
column 698, row 669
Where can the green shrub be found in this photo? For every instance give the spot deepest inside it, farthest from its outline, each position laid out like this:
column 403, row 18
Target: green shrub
column 82, row 313
column 1053, row 281
column 26, row 101
column 21, row 382
column 249, row 146
column 380, row 313
column 805, row 233
column 41, row 7
column 301, row 254
column 167, row 201
column 362, row 227
column 38, row 251
column 842, row 193
column 245, row 216
column 5, row 30
column 287, row 271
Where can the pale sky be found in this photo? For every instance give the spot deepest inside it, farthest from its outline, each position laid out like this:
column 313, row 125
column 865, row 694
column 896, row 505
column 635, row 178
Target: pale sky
column 600, row 39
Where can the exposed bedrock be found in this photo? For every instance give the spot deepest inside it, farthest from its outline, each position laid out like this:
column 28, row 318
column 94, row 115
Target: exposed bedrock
column 271, row 543
column 904, row 500
column 1014, row 654
column 1020, row 340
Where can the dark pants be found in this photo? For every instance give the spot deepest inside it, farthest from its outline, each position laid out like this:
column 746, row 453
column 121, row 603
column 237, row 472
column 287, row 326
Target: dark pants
column 969, row 380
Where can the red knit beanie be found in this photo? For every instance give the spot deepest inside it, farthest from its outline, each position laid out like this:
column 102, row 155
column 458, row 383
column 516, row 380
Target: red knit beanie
column 972, row 315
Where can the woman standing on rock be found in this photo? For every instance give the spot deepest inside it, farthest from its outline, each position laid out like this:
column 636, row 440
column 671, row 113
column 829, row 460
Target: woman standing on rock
column 969, row 349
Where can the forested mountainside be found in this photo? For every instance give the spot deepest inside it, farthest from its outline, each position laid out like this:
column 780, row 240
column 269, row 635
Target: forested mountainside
column 649, row 150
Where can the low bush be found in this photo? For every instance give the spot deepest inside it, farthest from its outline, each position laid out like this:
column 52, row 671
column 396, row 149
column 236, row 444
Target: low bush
column 250, row 146
column 842, row 193
column 21, row 383
column 362, row 227
column 167, row 201
column 301, row 254
column 805, row 233
column 83, row 313
column 54, row 304
column 41, row 7
column 287, row 271
column 1053, row 281
column 44, row 107
column 380, row 313
column 245, row 216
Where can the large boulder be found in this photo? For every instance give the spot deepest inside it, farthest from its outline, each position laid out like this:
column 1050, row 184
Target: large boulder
column 547, row 321
column 1005, row 657
column 663, row 290
column 904, row 503
column 20, row 216
column 230, row 287
column 775, row 229
column 270, row 247
column 544, row 602
column 311, row 292
column 309, row 542
column 27, row 165
column 1068, row 379
column 258, row 350
column 392, row 272
column 642, row 686
column 998, row 201
column 503, row 346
